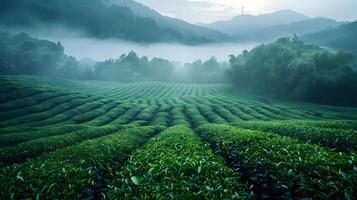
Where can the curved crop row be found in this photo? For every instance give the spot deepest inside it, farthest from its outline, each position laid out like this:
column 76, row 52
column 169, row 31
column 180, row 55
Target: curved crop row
column 76, row 172
column 92, row 114
column 41, row 107
column 19, row 137
column 178, row 117
column 194, row 115
column 280, row 167
column 211, row 116
column 176, row 165
column 31, row 149
column 342, row 140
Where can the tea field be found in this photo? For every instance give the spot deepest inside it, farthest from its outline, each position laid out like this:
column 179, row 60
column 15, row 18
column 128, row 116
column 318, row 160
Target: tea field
column 63, row 139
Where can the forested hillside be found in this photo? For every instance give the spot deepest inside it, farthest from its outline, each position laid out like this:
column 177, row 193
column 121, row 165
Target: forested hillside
column 341, row 38
column 271, row 26
column 95, row 18
column 22, row 54
column 290, row 69
column 184, row 28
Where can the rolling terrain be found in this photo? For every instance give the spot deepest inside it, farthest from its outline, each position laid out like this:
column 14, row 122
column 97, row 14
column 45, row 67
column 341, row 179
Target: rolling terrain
column 153, row 140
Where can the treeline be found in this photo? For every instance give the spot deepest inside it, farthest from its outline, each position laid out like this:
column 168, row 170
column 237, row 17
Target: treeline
column 130, row 68
column 290, row 69
column 23, row 55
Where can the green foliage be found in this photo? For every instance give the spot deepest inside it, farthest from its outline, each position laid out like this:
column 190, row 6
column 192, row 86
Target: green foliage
column 76, row 172
column 280, row 167
column 288, row 68
column 22, row 54
column 210, row 71
column 176, row 165
column 14, row 138
column 132, row 68
column 341, row 140
column 65, row 139
column 33, row 148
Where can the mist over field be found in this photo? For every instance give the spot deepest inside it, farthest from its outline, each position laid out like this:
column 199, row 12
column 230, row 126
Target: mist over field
column 103, row 49
column 106, row 49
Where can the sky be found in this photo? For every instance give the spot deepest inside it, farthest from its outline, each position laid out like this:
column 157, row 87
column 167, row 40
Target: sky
column 206, row 11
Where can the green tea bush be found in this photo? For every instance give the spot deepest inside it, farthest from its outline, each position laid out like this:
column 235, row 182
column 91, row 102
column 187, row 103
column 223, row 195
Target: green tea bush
column 128, row 116
column 90, row 115
column 17, row 138
column 225, row 113
column 255, row 114
column 238, row 112
column 41, row 107
column 77, row 172
column 148, row 113
column 334, row 124
column 194, row 116
column 176, row 165
column 178, row 117
column 287, row 113
column 22, row 92
column 17, row 103
column 47, row 115
column 161, row 119
column 280, row 167
column 107, row 117
column 339, row 139
column 211, row 116
column 31, row 149
column 270, row 114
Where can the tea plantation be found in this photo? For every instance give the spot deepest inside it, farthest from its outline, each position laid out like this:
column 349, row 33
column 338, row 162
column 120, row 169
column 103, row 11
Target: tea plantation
column 64, row 139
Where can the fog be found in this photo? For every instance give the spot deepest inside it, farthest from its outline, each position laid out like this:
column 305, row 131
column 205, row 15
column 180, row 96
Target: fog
column 99, row 50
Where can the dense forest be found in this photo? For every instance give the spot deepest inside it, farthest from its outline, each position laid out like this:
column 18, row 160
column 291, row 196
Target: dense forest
column 130, row 68
column 25, row 55
column 289, row 68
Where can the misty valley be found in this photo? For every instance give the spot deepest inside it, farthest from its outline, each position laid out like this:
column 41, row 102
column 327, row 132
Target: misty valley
column 151, row 99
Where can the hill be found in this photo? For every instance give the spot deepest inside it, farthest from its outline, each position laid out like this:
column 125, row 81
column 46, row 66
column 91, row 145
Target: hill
column 268, row 27
column 182, row 27
column 243, row 25
column 95, row 18
column 340, row 38
column 21, row 54
column 288, row 68
column 299, row 28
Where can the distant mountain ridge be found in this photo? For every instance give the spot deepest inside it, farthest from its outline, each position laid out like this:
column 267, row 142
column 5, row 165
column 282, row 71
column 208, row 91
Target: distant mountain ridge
column 340, row 38
column 178, row 25
column 299, row 28
column 267, row 27
column 244, row 24
column 103, row 19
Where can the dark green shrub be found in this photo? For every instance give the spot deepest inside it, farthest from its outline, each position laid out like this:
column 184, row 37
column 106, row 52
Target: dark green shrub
column 280, row 167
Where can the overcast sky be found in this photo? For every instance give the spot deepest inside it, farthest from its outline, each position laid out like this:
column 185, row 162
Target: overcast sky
column 204, row 11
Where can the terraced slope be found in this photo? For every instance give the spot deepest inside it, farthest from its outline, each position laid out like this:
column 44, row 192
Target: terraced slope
column 37, row 102
column 100, row 140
